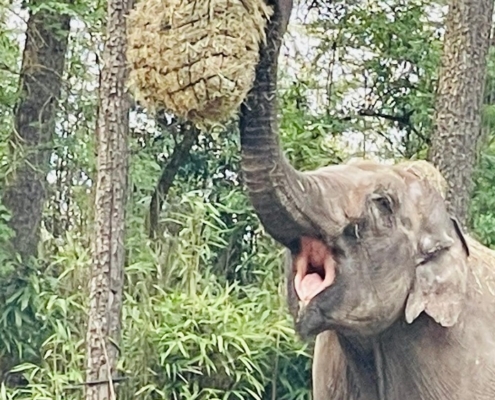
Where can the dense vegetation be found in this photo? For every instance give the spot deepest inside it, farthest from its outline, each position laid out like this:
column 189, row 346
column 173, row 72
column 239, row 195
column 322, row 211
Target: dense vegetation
column 204, row 312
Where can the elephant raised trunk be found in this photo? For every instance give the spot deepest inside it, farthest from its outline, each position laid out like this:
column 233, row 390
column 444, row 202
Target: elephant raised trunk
column 277, row 191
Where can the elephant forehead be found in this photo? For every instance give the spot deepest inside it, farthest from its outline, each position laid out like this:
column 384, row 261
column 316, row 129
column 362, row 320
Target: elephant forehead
column 345, row 188
column 425, row 171
column 350, row 181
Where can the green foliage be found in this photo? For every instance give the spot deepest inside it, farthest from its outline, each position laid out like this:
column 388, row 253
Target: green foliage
column 223, row 342
column 482, row 209
column 308, row 138
column 379, row 60
column 187, row 333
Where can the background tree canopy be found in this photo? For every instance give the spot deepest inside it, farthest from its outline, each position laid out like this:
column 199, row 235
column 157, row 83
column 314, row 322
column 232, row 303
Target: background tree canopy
column 204, row 314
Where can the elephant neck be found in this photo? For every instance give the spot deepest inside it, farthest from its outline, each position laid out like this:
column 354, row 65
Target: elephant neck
column 400, row 363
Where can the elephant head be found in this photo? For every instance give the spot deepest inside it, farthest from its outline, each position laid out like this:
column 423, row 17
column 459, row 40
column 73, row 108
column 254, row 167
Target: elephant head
column 368, row 244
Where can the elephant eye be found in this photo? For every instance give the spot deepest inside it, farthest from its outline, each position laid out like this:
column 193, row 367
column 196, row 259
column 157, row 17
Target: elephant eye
column 384, row 203
column 353, row 231
column 427, row 257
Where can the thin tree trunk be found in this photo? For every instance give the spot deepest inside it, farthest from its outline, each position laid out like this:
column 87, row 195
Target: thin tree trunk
column 181, row 151
column 457, row 133
column 107, row 273
column 39, row 88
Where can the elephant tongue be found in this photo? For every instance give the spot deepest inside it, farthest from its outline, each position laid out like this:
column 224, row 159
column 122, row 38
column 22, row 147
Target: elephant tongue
column 310, row 286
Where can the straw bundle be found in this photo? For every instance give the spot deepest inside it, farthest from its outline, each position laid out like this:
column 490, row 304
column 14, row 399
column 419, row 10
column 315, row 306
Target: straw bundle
column 195, row 58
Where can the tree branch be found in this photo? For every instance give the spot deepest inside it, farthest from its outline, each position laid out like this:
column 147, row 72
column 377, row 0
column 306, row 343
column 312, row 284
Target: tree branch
column 403, row 120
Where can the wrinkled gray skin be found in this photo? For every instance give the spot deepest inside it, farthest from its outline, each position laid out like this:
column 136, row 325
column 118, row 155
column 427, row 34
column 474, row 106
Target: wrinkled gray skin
column 411, row 313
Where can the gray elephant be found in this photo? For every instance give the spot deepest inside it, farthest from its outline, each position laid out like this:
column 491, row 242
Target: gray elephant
column 401, row 303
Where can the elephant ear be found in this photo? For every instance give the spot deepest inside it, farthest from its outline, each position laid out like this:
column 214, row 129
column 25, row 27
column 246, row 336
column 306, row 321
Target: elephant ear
column 440, row 283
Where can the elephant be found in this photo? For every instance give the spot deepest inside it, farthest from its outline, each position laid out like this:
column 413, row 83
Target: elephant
column 400, row 301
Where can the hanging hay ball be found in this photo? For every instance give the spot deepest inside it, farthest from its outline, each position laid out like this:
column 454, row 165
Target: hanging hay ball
column 195, row 58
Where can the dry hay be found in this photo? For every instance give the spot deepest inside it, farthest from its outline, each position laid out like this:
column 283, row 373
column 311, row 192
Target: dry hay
column 195, row 59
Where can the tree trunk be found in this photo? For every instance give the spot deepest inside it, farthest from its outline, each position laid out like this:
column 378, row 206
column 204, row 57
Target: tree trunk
column 177, row 159
column 40, row 82
column 457, row 131
column 110, row 201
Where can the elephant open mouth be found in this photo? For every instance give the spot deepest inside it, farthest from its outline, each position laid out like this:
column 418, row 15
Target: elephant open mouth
column 315, row 269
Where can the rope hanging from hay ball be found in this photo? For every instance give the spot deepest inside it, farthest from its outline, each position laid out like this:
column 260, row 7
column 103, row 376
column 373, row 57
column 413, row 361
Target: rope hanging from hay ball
column 195, row 58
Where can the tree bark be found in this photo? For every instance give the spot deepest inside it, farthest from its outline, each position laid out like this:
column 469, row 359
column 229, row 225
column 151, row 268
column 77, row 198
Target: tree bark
column 42, row 67
column 457, row 122
column 107, row 273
